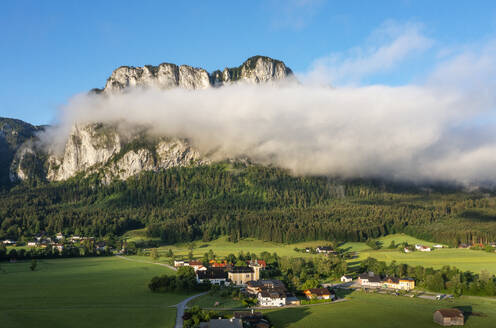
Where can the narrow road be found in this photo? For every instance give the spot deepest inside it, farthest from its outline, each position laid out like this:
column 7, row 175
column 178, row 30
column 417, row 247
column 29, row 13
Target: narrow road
column 161, row 264
column 181, row 307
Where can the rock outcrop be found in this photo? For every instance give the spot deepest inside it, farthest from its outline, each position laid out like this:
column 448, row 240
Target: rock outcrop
column 102, row 149
column 258, row 69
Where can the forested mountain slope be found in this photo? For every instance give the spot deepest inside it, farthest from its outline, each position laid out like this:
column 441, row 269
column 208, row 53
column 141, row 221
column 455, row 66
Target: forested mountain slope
column 238, row 200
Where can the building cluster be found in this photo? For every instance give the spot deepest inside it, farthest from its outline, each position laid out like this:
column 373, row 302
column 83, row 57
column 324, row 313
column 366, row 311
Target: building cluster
column 321, row 250
column 223, row 273
column 43, row 241
column 369, row 279
column 271, row 293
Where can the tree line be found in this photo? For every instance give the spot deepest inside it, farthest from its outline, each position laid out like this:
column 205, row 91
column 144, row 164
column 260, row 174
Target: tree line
column 238, row 200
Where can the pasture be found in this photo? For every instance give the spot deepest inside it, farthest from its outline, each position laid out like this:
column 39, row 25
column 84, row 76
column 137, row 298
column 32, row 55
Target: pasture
column 382, row 311
column 83, row 292
column 222, row 247
column 463, row 259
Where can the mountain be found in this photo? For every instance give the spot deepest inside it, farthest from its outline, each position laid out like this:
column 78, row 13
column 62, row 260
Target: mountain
column 13, row 134
column 102, row 149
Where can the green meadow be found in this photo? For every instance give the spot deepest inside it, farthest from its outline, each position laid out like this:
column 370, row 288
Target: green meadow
column 222, row 247
column 83, row 292
column 464, row 259
column 382, row 311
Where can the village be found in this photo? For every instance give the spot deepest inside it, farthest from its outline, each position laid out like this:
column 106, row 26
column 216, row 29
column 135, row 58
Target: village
column 48, row 246
column 270, row 293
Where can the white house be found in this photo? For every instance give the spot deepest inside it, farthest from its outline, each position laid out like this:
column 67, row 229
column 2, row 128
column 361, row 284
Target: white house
column 216, row 276
column 32, row 244
column 438, row 246
column 346, row 278
column 369, row 279
column 59, row 236
column 271, row 298
column 178, row 263
column 9, row 242
column 425, row 249
column 406, row 250
column 417, row 246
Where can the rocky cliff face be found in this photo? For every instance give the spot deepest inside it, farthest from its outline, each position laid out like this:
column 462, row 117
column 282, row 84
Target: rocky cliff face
column 13, row 134
column 256, row 69
column 101, row 149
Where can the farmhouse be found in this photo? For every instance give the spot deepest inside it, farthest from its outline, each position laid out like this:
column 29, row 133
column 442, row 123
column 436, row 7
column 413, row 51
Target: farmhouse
column 346, row 278
column 252, row 319
column 399, row 283
column 32, row 244
column 178, row 263
column 422, row 248
column 216, row 276
column 324, row 249
column 317, row 293
column 273, row 297
column 242, row 275
column 449, row 317
column 255, row 287
column 369, row 279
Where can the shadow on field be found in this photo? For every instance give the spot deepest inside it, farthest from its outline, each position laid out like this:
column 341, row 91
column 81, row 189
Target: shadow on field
column 467, row 312
column 288, row 316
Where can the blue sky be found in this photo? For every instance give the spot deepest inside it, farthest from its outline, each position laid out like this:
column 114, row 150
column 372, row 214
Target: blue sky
column 51, row 50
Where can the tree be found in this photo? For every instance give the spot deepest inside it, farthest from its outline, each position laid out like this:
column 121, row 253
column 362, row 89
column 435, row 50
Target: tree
column 310, row 283
column 154, row 254
column 170, row 253
column 33, row 265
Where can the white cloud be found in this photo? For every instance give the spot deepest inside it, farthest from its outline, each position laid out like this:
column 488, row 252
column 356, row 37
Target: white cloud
column 441, row 129
column 386, row 48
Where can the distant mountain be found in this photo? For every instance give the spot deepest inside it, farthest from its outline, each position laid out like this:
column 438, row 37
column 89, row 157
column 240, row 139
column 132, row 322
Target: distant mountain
column 101, row 149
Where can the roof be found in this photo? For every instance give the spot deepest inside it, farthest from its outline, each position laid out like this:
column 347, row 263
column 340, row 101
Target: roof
column 266, row 283
column 318, row 291
column 191, row 263
column 452, row 313
column 370, row 276
column 225, row 323
column 212, row 273
column 247, row 315
column 241, row 269
column 261, row 263
column 272, row 293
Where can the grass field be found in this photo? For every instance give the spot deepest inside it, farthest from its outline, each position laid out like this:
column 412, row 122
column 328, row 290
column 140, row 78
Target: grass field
column 83, row 292
column 382, row 311
column 208, row 301
column 464, row 259
column 222, row 247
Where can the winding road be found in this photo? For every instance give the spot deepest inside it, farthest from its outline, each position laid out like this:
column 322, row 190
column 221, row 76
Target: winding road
column 181, row 307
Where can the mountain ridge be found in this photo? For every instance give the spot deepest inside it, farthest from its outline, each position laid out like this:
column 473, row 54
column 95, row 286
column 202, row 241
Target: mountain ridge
column 101, row 148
